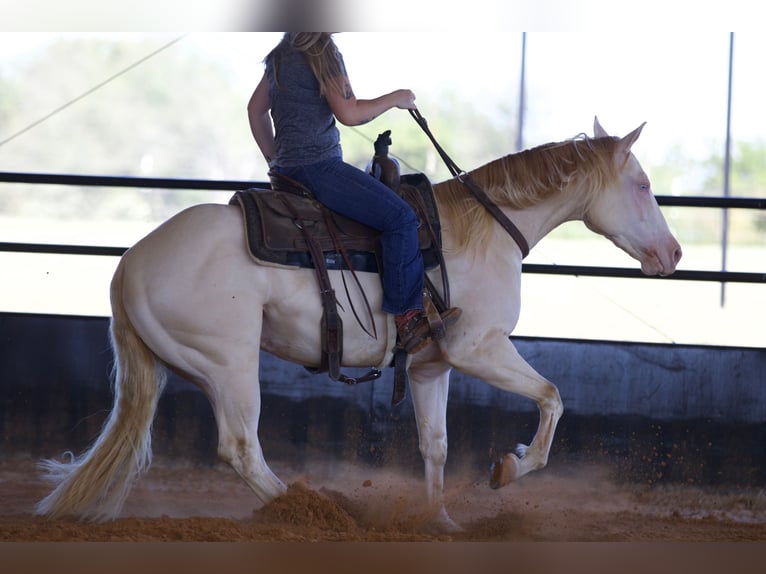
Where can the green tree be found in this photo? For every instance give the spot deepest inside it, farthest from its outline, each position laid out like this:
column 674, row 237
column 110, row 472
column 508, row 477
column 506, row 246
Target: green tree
column 747, row 179
column 175, row 115
column 468, row 135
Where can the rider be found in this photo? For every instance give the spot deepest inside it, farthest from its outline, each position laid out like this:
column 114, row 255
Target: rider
column 306, row 88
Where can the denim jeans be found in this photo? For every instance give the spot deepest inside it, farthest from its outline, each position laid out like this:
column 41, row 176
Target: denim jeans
column 357, row 195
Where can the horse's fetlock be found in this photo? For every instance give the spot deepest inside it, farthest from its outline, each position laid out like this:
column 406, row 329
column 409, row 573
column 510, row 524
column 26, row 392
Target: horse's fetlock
column 226, row 452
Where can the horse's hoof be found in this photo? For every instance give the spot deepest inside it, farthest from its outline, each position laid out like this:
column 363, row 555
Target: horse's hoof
column 444, row 524
column 438, row 522
column 504, row 470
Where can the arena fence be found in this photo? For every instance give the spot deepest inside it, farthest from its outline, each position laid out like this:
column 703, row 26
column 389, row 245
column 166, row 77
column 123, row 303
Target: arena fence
column 722, row 276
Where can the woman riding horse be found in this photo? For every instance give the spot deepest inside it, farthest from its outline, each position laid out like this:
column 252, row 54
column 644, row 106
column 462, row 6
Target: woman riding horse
column 305, row 86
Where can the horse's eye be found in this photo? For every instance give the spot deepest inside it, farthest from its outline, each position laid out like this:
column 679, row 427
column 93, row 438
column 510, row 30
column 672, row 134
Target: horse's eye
column 644, row 187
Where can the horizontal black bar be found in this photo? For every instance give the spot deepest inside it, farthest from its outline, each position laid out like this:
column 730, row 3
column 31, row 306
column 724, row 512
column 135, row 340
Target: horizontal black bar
column 125, row 181
column 62, row 249
column 577, row 270
column 235, row 185
column 688, row 275
column 704, row 201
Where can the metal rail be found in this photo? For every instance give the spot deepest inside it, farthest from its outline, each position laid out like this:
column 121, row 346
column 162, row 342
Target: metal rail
column 235, row 185
column 124, row 181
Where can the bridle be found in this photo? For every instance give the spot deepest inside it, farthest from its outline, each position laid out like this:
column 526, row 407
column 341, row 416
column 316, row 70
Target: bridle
column 465, row 178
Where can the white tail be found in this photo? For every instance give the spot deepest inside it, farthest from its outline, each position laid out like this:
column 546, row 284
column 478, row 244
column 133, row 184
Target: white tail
column 94, row 485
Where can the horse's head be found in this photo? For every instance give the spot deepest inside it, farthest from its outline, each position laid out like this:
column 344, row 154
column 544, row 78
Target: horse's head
column 627, row 213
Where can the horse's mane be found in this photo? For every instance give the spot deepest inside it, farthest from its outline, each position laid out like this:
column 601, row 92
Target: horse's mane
column 580, row 165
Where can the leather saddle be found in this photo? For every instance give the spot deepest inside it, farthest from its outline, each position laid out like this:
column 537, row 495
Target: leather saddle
column 274, row 238
column 285, row 226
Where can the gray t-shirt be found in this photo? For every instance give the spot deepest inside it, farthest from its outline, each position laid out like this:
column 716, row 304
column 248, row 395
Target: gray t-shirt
column 304, row 125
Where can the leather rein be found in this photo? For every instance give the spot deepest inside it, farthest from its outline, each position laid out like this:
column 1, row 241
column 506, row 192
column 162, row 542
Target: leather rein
column 479, row 193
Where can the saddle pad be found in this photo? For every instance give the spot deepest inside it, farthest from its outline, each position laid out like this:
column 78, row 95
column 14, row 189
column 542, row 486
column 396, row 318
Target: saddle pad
column 274, row 238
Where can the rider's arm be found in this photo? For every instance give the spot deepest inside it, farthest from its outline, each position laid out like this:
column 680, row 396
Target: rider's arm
column 353, row 112
column 260, row 122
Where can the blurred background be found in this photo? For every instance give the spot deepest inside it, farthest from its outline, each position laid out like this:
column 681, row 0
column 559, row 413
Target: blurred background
column 164, row 104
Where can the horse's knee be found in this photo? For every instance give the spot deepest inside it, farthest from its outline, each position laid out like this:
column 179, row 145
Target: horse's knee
column 550, row 401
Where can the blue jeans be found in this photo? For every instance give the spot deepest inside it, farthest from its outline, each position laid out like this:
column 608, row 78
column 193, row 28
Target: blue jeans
column 359, row 196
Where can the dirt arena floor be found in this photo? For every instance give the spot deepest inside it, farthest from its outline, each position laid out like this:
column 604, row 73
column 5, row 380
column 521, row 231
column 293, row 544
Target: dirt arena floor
column 342, row 502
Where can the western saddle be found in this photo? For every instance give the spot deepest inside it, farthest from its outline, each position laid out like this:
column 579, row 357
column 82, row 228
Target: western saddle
column 286, row 226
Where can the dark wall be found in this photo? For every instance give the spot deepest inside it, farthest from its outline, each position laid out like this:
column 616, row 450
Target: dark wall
column 653, row 412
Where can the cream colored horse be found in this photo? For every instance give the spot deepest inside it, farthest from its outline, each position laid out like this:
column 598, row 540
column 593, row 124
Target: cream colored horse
column 188, row 297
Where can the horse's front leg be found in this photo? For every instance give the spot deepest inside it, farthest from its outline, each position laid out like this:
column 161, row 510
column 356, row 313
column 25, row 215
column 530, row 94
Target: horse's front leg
column 497, row 362
column 429, row 386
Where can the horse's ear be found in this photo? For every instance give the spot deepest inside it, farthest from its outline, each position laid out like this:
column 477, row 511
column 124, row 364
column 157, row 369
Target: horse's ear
column 627, row 142
column 598, row 131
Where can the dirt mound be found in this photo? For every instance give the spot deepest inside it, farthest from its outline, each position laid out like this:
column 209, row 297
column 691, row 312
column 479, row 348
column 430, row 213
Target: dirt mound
column 303, row 507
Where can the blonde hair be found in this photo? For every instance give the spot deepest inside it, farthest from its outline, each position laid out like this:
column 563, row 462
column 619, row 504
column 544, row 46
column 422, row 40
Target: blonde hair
column 321, row 55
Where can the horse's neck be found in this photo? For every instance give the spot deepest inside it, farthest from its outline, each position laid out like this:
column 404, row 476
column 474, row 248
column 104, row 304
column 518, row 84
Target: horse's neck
column 539, row 220
column 534, row 222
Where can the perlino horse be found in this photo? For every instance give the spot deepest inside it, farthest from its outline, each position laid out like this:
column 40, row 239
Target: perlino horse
column 188, row 297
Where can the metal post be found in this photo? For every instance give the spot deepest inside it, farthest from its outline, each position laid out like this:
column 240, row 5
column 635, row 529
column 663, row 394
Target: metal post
column 727, row 170
column 522, row 89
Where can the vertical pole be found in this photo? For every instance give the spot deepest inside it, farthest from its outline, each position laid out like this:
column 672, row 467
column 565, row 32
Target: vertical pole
column 727, row 171
column 522, row 90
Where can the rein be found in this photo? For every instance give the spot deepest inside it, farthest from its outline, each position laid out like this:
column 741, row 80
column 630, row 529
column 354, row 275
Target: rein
column 479, row 193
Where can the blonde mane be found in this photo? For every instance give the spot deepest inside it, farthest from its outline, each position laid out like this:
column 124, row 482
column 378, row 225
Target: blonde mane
column 581, row 165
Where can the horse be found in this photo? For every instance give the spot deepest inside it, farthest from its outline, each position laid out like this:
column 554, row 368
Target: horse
column 188, row 298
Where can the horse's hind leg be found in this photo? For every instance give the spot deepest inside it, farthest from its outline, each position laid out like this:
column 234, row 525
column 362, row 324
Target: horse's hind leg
column 429, row 398
column 236, row 400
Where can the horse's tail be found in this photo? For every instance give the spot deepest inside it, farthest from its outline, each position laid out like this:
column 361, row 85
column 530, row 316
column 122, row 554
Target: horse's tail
column 94, row 485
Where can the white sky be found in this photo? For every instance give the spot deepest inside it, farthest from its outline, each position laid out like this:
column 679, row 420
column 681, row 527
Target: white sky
column 676, row 81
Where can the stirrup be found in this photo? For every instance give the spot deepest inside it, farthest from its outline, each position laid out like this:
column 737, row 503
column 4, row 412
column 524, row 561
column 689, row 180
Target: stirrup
column 438, row 329
column 415, row 335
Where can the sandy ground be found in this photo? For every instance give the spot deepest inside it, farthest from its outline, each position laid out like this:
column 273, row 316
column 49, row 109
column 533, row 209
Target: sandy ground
column 343, row 502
